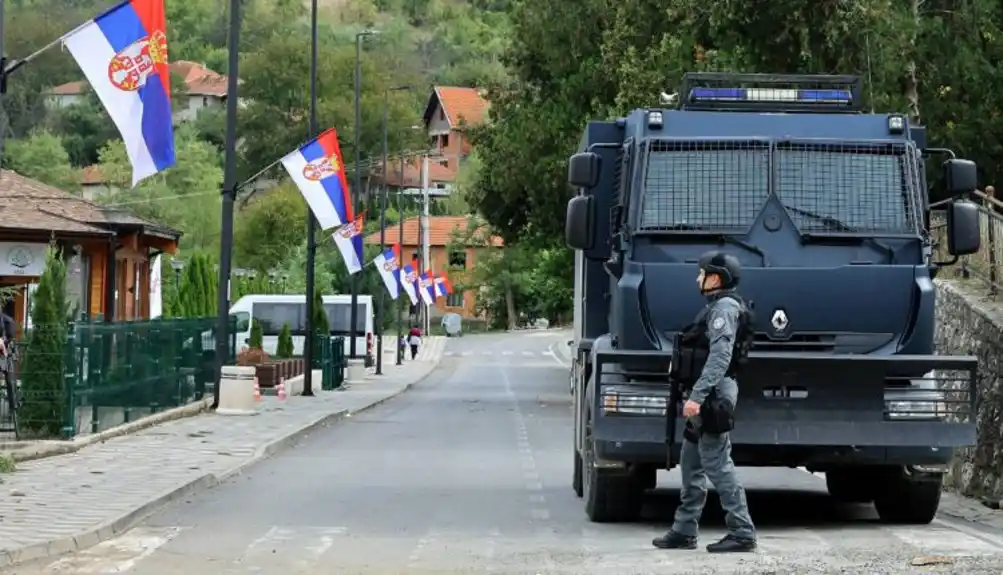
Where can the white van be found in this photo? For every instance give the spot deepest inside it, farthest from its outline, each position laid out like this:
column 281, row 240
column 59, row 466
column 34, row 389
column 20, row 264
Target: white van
column 273, row 311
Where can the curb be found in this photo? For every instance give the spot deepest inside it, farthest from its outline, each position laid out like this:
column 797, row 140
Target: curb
column 561, row 358
column 110, row 529
column 31, row 452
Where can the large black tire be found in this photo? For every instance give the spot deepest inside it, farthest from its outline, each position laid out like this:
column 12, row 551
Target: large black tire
column 851, row 485
column 904, row 500
column 611, row 496
column 576, row 480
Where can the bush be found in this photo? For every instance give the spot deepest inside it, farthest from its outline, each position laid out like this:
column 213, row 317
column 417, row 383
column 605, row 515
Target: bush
column 252, row 356
column 257, row 336
column 285, row 347
column 43, row 365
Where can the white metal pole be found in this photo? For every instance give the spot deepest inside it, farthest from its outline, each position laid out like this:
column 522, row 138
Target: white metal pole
column 426, row 258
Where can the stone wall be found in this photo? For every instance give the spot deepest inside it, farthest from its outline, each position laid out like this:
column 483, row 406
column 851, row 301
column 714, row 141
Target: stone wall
column 969, row 323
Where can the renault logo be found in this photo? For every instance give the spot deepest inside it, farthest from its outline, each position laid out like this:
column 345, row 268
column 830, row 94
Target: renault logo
column 779, row 320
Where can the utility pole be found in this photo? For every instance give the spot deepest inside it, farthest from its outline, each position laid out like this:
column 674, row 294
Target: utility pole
column 425, row 247
column 229, row 197
column 354, row 314
column 402, row 245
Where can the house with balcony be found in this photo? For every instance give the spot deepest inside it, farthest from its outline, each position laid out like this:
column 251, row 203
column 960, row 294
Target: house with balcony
column 449, row 111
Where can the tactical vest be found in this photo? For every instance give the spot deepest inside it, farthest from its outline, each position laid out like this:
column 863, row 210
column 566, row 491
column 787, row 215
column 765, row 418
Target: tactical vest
column 693, row 346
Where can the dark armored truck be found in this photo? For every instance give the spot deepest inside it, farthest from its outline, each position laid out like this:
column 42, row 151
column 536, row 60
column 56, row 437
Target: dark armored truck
column 828, row 209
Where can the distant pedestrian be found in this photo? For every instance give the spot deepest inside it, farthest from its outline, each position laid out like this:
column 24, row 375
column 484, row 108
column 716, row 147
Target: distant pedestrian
column 414, row 340
column 402, row 346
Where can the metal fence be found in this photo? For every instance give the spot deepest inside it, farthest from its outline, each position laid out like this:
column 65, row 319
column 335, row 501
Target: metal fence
column 89, row 376
column 986, row 266
column 330, row 359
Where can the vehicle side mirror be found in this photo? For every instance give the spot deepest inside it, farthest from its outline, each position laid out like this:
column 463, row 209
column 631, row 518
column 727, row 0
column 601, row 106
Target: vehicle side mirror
column 960, row 177
column 964, row 234
column 579, row 225
column 242, row 325
column 583, row 170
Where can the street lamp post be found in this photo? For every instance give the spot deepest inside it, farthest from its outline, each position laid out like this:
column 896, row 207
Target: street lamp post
column 383, row 224
column 311, row 225
column 400, row 297
column 353, row 317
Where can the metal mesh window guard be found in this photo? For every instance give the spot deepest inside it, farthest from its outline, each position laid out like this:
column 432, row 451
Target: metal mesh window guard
column 720, row 186
column 839, row 188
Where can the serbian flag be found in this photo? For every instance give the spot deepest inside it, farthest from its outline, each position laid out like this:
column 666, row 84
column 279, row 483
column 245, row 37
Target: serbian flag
column 348, row 238
column 319, row 173
column 426, row 288
column 409, row 281
column 123, row 54
column 388, row 264
column 442, row 285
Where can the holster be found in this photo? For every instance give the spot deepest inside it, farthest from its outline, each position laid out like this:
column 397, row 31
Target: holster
column 717, row 415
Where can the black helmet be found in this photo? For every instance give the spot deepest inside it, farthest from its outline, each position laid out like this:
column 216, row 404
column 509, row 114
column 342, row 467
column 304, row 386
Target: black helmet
column 724, row 265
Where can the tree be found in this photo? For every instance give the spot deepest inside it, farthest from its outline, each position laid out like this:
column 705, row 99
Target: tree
column 44, row 363
column 42, row 157
column 257, row 337
column 186, row 196
column 197, row 296
column 320, row 323
column 268, row 226
column 285, row 344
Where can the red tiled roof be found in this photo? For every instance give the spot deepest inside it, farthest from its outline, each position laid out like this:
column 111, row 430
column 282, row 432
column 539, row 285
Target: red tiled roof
column 27, row 204
column 199, row 81
column 462, row 106
column 440, row 232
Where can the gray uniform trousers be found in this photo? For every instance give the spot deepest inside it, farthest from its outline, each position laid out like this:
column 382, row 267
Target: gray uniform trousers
column 711, row 459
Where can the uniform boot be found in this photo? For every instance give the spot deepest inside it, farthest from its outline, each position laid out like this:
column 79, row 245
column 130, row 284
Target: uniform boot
column 673, row 540
column 732, row 544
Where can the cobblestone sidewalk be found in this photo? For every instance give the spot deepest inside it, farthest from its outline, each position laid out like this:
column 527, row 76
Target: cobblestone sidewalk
column 68, row 502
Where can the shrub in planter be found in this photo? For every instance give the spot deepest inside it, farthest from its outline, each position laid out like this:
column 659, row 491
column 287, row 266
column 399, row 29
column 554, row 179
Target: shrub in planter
column 285, row 345
column 257, row 336
column 252, row 356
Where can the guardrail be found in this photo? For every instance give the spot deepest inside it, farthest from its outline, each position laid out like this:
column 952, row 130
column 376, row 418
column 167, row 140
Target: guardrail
column 986, row 266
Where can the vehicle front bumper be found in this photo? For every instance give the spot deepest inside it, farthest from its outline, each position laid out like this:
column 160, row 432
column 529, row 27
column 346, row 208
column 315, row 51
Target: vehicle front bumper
column 916, row 409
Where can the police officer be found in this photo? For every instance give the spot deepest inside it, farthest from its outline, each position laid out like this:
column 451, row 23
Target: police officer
column 707, row 455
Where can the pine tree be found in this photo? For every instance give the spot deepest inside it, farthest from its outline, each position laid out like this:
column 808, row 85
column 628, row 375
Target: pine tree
column 285, row 346
column 44, row 360
column 320, row 324
column 257, row 336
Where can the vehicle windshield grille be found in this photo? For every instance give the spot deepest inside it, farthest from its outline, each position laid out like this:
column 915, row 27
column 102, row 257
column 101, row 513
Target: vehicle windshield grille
column 845, row 188
column 825, row 188
column 696, row 185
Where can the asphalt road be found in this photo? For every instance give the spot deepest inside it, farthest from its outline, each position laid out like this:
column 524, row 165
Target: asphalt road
column 470, row 473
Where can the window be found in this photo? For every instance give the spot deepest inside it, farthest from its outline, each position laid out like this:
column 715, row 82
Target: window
column 272, row 316
column 844, row 188
column 205, row 101
column 243, row 321
column 458, row 259
column 454, row 299
column 339, row 316
column 705, row 185
column 445, row 141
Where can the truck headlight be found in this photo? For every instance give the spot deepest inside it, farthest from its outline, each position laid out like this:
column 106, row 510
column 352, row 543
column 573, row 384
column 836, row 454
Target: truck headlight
column 921, row 400
column 623, row 400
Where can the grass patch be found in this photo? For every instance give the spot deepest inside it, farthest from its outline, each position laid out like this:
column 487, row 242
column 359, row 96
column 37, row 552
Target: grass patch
column 7, row 464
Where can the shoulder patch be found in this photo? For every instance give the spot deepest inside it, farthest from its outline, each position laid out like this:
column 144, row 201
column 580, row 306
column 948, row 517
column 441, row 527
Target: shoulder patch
column 718, row 323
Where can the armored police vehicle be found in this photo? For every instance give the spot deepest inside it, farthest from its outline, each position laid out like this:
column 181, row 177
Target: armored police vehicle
column 828, row 209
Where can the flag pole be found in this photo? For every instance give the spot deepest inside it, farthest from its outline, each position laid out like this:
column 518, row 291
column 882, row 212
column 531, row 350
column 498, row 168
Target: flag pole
column 400, row 264
column 311, row 224
column 229, row 197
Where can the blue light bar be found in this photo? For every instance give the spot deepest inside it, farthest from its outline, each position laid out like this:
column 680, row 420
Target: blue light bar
column 770, row 95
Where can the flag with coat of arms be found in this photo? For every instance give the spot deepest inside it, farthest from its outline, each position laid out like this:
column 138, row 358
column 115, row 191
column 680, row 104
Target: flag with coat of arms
column 426, row 287
column 318, row 171
column 123, row 54
column 409, row 281
column 348, row 238
column 388, row 264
